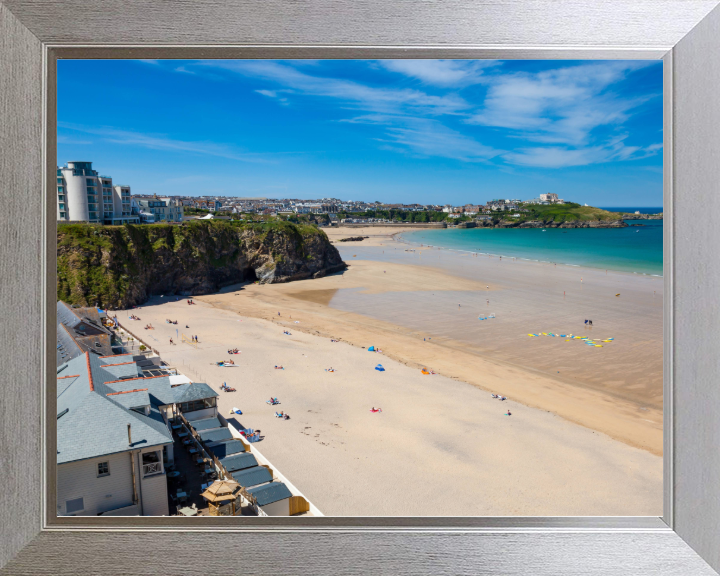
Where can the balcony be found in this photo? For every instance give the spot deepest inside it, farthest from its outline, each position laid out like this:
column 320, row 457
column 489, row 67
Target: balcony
column 152, row 468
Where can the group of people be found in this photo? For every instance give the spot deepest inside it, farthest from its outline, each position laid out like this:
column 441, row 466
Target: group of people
column 286, row 333
column 133, row 317
column 194, row 339
column 170, row 321
column 234, row 351
column 226, row 388
column 501, row 398
column 279, row 367
column 588, row 322
column 331, row 369
column 190, row 301
column 282, row 415
column 149, row 327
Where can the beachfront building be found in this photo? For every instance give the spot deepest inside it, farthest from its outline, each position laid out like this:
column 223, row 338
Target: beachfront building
column 85, row 196
column 81, row 330
column 113, row 435
column 153, row 209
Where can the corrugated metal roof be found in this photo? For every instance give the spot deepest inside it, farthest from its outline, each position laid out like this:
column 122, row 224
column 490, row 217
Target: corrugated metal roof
column 269, row 493
column 238, row 462
column 252, row 476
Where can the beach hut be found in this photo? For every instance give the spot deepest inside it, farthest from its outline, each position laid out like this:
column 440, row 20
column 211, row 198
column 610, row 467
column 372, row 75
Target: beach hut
column 276, row 500
column 223, row 498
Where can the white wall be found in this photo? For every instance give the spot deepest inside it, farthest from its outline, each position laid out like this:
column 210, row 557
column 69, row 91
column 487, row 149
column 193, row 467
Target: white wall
column 279, row 508
column 154, row 495
column 153, row 488
column 200, row 414
column 76, row 196
column 79, row 480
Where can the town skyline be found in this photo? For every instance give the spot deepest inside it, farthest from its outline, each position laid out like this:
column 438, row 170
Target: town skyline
column 401, row 132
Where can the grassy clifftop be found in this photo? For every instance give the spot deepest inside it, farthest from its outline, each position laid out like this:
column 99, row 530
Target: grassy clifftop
column 120, row 266
column 569, row 212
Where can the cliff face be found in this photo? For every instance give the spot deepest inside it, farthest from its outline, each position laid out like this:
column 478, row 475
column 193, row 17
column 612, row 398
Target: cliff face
column 643, row 216
column 121, row 266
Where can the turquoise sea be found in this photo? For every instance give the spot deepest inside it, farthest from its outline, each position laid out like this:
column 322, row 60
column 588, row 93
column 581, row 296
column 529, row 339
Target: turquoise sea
column 632, row 249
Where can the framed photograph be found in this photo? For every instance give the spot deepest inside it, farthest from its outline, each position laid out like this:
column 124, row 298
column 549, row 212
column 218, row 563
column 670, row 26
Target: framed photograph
column 180, row 181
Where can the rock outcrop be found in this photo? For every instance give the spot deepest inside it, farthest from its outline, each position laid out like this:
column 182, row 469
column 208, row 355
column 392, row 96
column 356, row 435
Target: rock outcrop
column 122, row 266
column 553, row 224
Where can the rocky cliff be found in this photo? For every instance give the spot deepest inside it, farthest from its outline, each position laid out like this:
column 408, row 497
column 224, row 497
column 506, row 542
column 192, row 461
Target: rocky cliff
column 121, row 266
column 643, row 216
column 553, row 224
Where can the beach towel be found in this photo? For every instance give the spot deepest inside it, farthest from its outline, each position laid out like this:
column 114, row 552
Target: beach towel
column 379, row 368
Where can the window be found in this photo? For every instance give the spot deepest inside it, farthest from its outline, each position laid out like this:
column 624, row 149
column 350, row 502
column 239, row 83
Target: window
column 62, row 206
column 197, row 405
column 103, row 469
column 90, row 181
column 62, row 214
column 76, row 505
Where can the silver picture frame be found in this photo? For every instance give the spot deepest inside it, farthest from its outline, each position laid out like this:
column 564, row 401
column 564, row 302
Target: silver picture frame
column 685, row 34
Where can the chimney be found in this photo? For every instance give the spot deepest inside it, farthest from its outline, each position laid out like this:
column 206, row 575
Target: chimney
column 129, row 436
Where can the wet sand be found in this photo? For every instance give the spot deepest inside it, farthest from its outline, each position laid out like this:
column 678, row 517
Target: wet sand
column 440, row 446
column 585, row 434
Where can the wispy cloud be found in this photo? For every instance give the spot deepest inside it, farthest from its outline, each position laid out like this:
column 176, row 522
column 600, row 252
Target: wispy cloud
column 276, row 94
column 62, row 139
column 162, row 142
column 426, row 137
column 440, row 72
column 559, row 106
column 351, row 93
column 563, row 157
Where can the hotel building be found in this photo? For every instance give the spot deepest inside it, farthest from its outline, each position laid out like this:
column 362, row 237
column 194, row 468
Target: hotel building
column 85, row 196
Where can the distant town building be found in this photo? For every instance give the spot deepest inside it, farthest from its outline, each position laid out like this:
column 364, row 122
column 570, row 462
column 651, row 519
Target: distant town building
column 154, row 209
column 85, row 196
column 551, row 198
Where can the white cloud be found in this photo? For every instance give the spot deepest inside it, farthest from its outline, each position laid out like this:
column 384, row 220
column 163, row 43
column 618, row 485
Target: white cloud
column 351, row 93
column 562, row 157
column 161, row 142
column 559, row 106
column 440, row 72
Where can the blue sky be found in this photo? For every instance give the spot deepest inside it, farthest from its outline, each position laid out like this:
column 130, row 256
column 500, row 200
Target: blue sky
column 428, row 131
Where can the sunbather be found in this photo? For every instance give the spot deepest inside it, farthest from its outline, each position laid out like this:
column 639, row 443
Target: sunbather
column 279, row 367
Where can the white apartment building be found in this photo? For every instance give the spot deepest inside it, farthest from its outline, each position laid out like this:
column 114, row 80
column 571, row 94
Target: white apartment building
column 154, row 209
column 85, row 196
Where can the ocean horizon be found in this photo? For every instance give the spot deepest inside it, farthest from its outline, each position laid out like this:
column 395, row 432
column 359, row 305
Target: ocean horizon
column 636, row 249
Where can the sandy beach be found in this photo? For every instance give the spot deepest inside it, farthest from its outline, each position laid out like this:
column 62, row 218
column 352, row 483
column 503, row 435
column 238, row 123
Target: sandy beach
column 585, row 434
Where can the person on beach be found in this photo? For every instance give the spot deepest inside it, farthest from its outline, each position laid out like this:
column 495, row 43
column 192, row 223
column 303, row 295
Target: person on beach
column 171, row 341
column 586, row 322
column 590, row 322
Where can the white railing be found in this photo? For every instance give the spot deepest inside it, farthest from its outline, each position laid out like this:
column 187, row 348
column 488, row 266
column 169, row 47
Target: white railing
column 153, row 468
